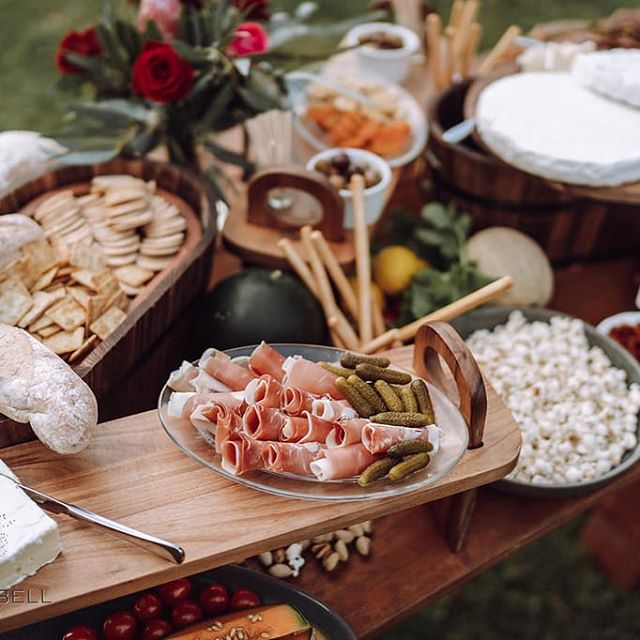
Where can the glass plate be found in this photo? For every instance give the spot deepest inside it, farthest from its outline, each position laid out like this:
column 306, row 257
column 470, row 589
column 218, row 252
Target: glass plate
column 199, row 446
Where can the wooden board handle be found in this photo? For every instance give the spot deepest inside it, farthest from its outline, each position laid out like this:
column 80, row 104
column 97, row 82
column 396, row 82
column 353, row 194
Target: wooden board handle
column 314, row 183
column 436, row 340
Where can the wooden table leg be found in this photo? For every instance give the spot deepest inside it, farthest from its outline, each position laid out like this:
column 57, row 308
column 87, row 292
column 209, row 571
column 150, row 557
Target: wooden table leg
column 458, row 523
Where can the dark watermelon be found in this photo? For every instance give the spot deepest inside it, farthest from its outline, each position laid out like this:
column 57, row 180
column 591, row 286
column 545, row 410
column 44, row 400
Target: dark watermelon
column 259, row 304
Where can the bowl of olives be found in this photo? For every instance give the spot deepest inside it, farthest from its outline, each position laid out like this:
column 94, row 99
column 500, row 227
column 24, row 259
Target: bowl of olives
column 339, row 165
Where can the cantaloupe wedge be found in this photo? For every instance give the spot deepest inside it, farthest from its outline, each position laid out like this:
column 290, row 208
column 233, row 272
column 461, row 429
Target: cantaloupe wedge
column 318, row 635
column 272, row 622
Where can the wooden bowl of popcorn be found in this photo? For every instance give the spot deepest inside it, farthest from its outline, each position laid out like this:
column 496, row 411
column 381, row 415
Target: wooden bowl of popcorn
column 574, row 392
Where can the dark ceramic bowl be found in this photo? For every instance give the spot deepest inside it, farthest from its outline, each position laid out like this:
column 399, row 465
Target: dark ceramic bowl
column 270, row 590
column 490, row 317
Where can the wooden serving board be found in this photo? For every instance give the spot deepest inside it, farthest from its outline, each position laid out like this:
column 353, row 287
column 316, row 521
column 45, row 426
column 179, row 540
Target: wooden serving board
column 133, row 473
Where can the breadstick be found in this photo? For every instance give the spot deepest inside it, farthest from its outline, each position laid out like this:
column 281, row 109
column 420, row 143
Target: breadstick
column 447, row 66
column 456, row 13
column 501, row 47
column 335, row 271
column 335, row 334
column 298, row 265
column 468, row 15
column 470, row 49
column 379, row 326
column 434, row 41
column 363, row 259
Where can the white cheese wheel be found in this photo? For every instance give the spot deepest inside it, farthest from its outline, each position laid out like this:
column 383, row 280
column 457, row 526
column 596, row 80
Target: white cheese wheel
column 614, row 73
column 549, row 125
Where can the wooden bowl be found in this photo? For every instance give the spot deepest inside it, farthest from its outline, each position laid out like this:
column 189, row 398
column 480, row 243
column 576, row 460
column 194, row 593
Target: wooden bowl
column 152, row 312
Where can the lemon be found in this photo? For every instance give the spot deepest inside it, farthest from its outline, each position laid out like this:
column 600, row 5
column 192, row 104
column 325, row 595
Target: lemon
column 376, row 292
column 394, row 267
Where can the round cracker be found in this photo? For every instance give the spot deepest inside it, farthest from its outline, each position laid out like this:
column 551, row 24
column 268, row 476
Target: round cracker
column 131, row 241
column 118, row 251
column 165, row 241
column 154, row 263
column 159, row 251
column 129, row 290
column 121, row 195
column 134, row 206
column 52, row 202
column 133, row 221
column 175, row 225
column 59, row 218
column 120, row 261
column 78, row 236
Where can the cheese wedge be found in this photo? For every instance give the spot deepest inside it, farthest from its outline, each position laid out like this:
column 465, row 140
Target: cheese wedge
column 28, row 536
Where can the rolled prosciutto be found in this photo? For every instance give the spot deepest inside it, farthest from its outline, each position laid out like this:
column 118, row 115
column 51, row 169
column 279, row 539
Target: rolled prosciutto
column 346, row 432
column 294, row 401
column 183, row 403
column 204, row 383
column 229, row 373
column 228, row 426
column 378, row 438
column 291, row 457
column 305, row 428
column 180, row 379
column 308, row 376
column 243, row 454
column 265, row 391
column 266, row 360
column 333, row 410
column 263, row 423
column 342, row 462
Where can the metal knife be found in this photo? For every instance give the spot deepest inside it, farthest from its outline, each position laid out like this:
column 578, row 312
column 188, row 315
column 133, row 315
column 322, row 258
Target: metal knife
column 167, row 550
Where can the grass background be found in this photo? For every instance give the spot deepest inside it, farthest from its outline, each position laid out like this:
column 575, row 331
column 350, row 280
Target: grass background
column 549, row 591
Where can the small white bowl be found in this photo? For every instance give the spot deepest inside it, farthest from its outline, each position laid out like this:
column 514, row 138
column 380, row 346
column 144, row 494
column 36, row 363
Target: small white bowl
column 626, row 317
column 374, row 197
column 391, row 64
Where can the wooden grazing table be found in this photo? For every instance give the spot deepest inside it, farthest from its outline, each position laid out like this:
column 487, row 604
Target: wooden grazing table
column 132, row 472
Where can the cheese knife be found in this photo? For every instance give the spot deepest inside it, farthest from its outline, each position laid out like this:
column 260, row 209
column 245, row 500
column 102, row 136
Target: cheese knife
column 162, row 548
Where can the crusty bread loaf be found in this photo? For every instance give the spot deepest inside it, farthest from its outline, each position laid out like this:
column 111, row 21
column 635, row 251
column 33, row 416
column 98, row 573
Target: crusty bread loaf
column 37, row 386
column 16, row 230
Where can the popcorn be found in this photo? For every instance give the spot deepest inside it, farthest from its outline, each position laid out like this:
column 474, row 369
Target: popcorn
column 577, row 414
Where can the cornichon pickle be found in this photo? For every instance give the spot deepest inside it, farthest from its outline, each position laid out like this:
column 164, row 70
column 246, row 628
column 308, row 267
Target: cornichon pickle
column 369, row 393
column 409, row 400
column 409, row 466
column 421, row 393
column 409, row 448
column 357, row 400
column 389, row 396
column 376, row 470
column 373, row 373
column 352, row 360
column 400, row 419
column 336, row 369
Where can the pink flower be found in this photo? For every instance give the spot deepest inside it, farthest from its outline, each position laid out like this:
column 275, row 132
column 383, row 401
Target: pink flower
column 165, row 13
column 251, row 39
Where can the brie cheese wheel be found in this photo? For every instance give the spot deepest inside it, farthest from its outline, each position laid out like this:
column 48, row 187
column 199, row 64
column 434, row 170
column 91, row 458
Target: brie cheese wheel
column 614, row 73
column 551, row 126
column 553, row 56
column 28, row 536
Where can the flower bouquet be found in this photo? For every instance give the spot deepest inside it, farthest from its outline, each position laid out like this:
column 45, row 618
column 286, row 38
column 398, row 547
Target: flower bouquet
column 174, row 72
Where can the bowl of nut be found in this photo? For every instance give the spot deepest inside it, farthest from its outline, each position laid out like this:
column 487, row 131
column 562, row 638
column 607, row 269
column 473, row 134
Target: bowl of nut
column 339, row 165
column 574, row 392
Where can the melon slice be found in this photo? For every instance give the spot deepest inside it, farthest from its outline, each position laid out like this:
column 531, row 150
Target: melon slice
column 318, row 635
column 273, row 622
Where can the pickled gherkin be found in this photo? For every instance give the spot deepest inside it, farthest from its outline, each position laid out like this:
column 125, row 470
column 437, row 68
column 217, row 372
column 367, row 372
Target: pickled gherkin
column 372, row 372
column 409, row 400
column 355, row 398
column 376, row 470
column 369, row 393
column 352, row 360
column 337, row 369
column 408, row 466
column 388, row 394
column 421, row 393
column 400, row 419
column 410, row 447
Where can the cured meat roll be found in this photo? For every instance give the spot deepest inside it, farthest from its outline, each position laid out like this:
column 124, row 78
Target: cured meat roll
column 291, row 457
column 378, row 438
column 306, row 428
column 262, row 423
column 265, row 391
column 204, row 383
column 342, row 462
column 333, row 410
column 266, row 360
column 243, row 454
column 183, row 403
column 346, row 432
column 310, row 377
column 294, row 401
column 228, row 426
column 220, row 366
column 180, row 379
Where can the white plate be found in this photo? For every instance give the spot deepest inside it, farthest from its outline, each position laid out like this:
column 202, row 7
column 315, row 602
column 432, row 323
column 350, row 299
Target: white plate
column 626, row 317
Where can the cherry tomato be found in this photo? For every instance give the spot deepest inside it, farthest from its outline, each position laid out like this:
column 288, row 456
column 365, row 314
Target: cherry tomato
column 81, row 632
column 244, row 599
column 175, row 591
column 120, row 626
column 214, row 599
column 186, row 613
column 147, row 607
column 156, row 629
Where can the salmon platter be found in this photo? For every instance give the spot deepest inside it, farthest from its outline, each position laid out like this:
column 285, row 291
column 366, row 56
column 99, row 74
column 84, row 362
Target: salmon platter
column 312, row 421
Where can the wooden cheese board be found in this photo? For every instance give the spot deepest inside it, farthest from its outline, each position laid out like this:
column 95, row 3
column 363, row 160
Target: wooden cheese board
column 133, row 473
column 164, row 297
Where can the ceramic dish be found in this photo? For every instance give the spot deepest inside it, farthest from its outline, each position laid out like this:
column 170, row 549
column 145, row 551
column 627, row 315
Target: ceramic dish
column 626, row 317
column 491, row 317
column 270, row 590
column 199, row 445
column 297, row 83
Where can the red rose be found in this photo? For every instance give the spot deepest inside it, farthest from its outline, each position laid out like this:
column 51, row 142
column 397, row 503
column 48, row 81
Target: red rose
column 160, row 74
column 85, row 42
column 251, row 38
column 253, row 9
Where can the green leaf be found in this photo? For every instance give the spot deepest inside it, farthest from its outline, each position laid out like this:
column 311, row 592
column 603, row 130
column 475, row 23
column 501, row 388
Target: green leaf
column 188, row 52
column 142, row 142
column 129, row 37
column 152, row 31
column 437, row 215
column 219, row 18
column 217, row 107
column 92, row 64
column 107, row 12
column 87, row 157
column 106, row 110
column 429, row 236
column 112, row 48
column 228, row 156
